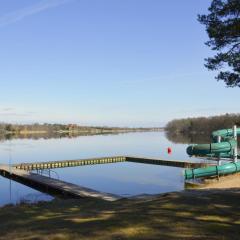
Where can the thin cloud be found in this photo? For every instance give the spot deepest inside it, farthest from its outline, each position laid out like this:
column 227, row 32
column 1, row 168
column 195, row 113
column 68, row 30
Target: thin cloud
column 13, row 112
column 8, row 109
column 20, row 14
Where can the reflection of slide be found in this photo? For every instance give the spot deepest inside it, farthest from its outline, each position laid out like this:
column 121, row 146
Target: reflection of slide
column 222, row 149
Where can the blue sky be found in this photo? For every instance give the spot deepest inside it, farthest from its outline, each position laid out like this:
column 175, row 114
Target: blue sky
column 107, row 62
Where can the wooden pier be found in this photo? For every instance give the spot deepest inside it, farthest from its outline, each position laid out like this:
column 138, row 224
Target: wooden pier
column 53, row 186
column 170, row 163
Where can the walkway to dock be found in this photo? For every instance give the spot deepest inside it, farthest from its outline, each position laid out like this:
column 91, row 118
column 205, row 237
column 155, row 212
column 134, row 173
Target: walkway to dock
column 170, row 163
column 104, row 160
column 50, row 185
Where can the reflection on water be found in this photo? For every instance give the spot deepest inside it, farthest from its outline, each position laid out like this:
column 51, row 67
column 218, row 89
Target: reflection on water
column 49, row 135
column 190, row 138
column 16, row 193
column 126, row 179
column 119, row 178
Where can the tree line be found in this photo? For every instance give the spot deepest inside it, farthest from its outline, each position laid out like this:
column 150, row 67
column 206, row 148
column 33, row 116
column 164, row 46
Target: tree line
column 202, row 125
column 17, row 128
column 7, row 128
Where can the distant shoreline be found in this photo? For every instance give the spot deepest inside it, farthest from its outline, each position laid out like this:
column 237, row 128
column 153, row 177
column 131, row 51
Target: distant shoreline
column 36, row 134
column 91, row 131
column 31, row 129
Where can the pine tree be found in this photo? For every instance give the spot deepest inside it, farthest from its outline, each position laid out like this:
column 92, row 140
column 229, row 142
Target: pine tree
column 223, row 28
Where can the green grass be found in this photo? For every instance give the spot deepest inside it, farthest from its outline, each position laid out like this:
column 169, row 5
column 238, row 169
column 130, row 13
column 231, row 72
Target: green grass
column 198, row 214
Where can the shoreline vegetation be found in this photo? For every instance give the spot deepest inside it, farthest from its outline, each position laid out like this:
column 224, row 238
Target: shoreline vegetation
column 199, row 129
column 202, row 125
column 36, row 128
column 35, row 131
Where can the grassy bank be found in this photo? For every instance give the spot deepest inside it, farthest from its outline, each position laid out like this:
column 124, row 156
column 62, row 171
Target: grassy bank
column 199, row 214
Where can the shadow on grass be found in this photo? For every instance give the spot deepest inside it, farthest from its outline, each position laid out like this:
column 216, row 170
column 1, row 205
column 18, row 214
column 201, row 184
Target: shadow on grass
column 198, row 214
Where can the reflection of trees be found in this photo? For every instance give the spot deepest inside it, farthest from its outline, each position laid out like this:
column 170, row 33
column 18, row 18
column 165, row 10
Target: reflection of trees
column 187, row 138
column 50, row 135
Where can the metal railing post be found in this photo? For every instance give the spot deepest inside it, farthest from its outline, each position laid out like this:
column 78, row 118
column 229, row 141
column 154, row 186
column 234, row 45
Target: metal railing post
column 219, row 157
column 235, row 150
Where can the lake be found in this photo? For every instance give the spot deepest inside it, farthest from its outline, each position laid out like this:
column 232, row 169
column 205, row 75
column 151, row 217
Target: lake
column 125, row 179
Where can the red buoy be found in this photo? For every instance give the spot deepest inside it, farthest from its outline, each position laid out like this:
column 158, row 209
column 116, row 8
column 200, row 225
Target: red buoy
column 169, row 150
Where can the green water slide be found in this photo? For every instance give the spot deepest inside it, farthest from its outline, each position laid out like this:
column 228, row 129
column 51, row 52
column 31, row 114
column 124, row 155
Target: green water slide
column 224, row 169
column 223, row 146
column 215, row 149
column 224, row 133
column 212, row 148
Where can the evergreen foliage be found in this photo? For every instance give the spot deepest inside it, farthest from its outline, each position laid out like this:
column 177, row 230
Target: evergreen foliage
column 223, row 28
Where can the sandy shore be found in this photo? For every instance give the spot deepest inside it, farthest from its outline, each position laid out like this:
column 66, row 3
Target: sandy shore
column 230, row 181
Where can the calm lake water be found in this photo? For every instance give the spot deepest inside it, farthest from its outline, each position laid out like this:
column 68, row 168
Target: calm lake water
column 126, row 179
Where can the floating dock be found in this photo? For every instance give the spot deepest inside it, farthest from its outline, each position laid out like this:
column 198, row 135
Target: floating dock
column 170, row 163
column 23, row 173
column 105, row 160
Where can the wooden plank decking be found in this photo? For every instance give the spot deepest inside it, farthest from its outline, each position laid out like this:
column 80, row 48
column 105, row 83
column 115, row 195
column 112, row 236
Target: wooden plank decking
column 50, row 184
column 170, row 163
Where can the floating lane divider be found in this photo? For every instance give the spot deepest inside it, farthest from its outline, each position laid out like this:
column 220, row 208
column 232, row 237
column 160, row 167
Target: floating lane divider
column 68, row 163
